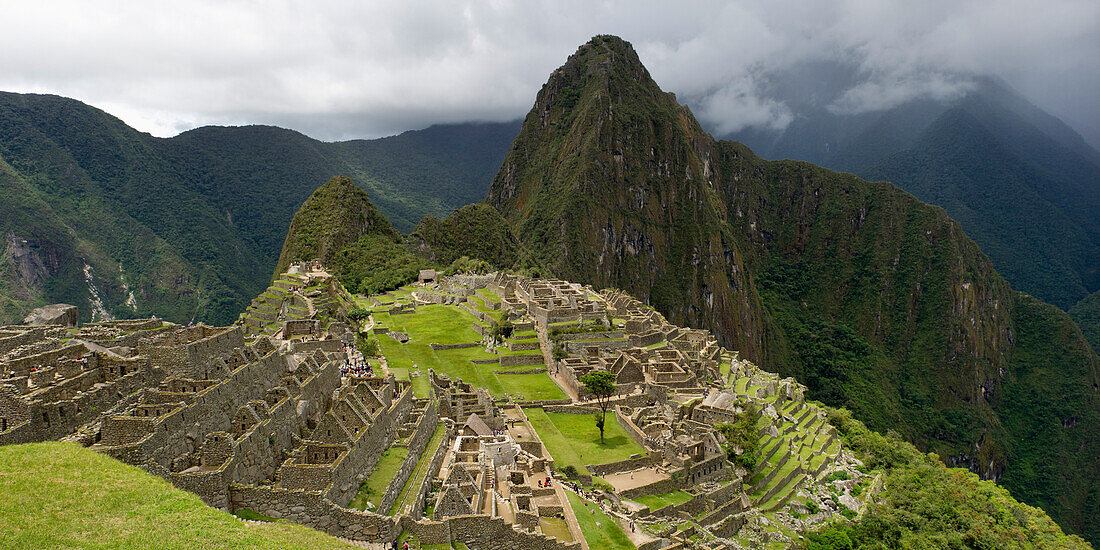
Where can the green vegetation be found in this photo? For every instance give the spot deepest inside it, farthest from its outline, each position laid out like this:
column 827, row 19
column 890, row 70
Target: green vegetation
column 927, row 505
column 744, row 435
column 571, row 441
column 1020, row 195
column 83, row 499
column 339, row 225
column 1087, row 316
column 374, row 263
column 1050, row 400
column 602, row 386
column 452, row 325
column 405, row 498
column 476, row 231
column 197, row 221
column 600, row 531
column 656, row 502
column 372, row 489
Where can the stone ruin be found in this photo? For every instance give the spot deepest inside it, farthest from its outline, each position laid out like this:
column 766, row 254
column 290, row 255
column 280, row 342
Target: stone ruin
column 248, row 420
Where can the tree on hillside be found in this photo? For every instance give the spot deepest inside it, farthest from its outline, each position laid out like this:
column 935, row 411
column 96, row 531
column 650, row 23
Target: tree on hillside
column 602, row 385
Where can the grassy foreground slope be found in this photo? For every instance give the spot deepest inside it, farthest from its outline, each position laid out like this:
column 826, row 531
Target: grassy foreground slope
column 61, row 495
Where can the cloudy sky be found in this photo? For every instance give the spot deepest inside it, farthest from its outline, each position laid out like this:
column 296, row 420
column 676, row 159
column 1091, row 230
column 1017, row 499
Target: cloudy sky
column 336, row 70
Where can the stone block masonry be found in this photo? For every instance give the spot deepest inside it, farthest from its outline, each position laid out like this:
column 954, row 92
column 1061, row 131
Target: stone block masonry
column 425, row 427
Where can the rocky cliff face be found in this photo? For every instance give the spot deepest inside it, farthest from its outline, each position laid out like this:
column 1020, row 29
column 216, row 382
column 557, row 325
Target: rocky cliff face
column 876, row 301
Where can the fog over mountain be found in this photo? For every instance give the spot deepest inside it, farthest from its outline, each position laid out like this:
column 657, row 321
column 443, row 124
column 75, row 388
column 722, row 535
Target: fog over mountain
column 336, row 70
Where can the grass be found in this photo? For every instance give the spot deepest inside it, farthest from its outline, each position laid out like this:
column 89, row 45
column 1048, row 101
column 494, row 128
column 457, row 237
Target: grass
column 452, row 325
column 372, row 489
column 556, row 527
column 605, row 536
column 656, row 502
column 83, row 499
column 420, row 472
column 573, row 439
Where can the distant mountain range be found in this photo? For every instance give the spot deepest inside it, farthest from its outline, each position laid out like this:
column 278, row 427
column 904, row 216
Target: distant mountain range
column 121, row 223
column 1022, row 183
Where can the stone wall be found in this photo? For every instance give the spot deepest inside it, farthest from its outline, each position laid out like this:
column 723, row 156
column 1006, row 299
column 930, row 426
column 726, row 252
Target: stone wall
column 523, row 345
column 46, row 420
column 349, row 472
column 310, row 346
column 522, row 360
column 25, row 336
column 482, row 532
column 433, row 469
column 439, row 347
column 656, row 488
column 312, row 509
column 417, row 443
column 621, row 466
column 631, row 428
column 605, row 335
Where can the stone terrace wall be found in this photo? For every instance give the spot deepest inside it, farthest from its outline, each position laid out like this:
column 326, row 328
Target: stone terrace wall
column 606, row 335
column 433, row 469
column 27, row 336
column 522, row 360
column 631, row 428
column 312, row 509
column 180, row 432
column 440, row 347
column 360, row 461
column 621, row 466
column 482, row 532
column 417, row 443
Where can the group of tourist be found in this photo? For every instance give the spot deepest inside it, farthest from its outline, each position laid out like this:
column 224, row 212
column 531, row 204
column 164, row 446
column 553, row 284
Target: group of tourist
column 545, row 483
column 355, row 364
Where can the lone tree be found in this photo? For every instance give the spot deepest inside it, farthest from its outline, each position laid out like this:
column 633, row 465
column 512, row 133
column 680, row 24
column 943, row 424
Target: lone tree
column 602, row 385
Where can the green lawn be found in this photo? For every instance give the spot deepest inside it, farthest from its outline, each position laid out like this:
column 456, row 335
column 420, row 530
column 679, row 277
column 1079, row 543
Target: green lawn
column 605, row 536
column 61, row 495
column 656, row 502
column 452, row 325
column 372, row 489
column 573, row 439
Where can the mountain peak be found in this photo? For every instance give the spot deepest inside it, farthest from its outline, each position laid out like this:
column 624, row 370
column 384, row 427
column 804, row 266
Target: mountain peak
column 609, row 57
column 334, row 216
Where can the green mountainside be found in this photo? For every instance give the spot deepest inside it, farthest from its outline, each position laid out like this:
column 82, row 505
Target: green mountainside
column 1022, row 184
column 190, row 227
column 338, row 225
column 875, row 300
column 476, row 231
column 1087, row 316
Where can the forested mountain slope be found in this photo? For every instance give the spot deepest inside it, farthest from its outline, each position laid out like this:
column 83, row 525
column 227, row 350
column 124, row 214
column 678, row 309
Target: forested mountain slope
column 1022, row 183
column 877, row 301
column 193, row 225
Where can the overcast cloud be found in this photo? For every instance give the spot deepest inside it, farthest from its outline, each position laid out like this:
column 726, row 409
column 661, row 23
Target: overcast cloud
column 336, row 70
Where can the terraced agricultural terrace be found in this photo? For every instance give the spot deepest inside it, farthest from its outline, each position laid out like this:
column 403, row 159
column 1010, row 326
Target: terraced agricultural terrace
column 465, row 431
